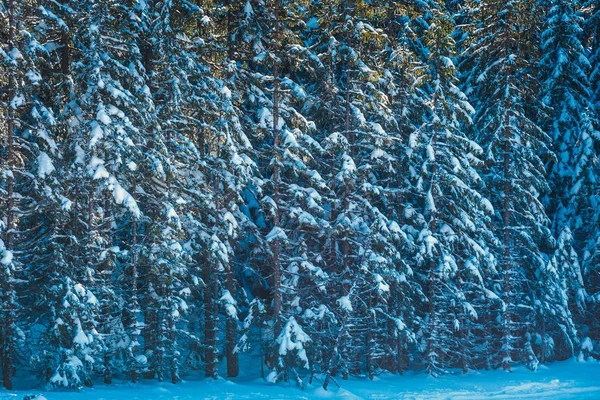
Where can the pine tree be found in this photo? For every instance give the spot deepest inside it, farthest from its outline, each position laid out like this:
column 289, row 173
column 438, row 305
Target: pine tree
column 288, row 184
column 405, row 81
column 167, row 62
column 27, row 153
column 591, row 41
column 566, row 90
column 500, row 56
column 454, row 242
column 354, row 113
column 104, row 104
column 11, row 55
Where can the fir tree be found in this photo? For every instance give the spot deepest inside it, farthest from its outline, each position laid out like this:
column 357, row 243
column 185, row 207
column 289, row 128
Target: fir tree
column 499, row 57
column 454, row 241
column 566, row 90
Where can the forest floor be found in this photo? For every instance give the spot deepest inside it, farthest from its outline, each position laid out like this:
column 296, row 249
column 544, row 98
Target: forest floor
column 563, row 380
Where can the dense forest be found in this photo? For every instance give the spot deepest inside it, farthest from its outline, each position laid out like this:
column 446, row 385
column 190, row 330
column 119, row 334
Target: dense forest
column 329, row 188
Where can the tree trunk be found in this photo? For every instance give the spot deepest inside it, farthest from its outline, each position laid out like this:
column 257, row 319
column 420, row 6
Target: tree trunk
column 506, row 218
column 487, row 332
column 392, row 341
column 65, row 57
column 210, row 325
column 368, row 349
column 543, row 346
column 150, row 307
column 231, row 334
column 133, row 303
column 432, row 279
column 174, row 362
column 462, row 332
column 8, row 349
column 399, row 355
column 106, row 279
column 230, row 18
column 276, row 245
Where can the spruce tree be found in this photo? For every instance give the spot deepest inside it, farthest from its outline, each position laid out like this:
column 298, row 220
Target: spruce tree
column 455, row 238
column 498, row 75
column 572, row 125
column 28, row 155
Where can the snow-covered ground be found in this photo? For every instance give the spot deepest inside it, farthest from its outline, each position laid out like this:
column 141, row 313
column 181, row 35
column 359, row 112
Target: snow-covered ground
column 566, row 380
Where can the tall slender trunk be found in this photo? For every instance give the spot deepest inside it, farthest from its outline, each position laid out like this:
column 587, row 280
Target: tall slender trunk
column 486, row 320
column 210, row 323
column 231, row 323
column 432, row 281
column 151, row 327
column 8, row 289
column 230, row 16
column 107, row 281
column 150, row 306
column 231, row 333
column 133, row 302
column 8, row 349
column 276, row 245
column 368, row 343
column 462, row 332
column 174, row 361
column 399, row 354
column 161, row 342
column 210, row 315
column 149, row 281
column 543, row 346
column 432, row 325
column 91, row 264
column 350, row 138
column 392, row 342
column 506, row 219
column 346, row 261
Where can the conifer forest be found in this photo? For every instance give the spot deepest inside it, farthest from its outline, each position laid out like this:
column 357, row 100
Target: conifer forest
column 323, row 188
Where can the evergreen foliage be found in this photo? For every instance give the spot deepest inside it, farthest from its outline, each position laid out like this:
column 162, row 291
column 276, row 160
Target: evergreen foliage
column 320, row 188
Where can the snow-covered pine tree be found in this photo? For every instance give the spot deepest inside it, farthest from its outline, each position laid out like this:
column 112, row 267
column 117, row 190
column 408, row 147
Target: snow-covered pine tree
column 353, row 115
column 591, row 253
column 498, row 76
column 288, row 184
column 69, row 343
column 43, row 254
column 569, row 297
column 566, row 90
column 454, row 242
column 198, row 144
column 237, row 196
column 333, row 113
column 27, row 150
column 226, row 151
column 12, row 98
column 173, row 75
column 104, row 103
column 404, row 78
column 228, row 168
